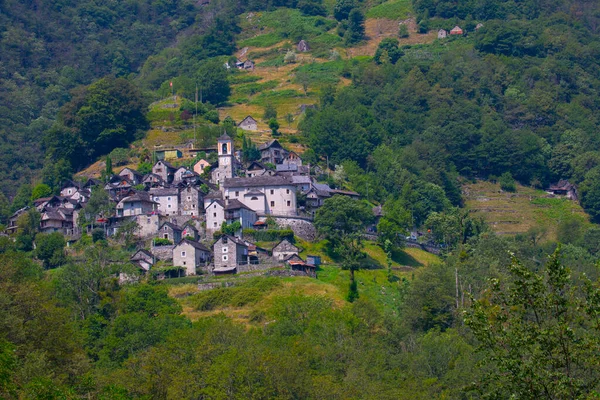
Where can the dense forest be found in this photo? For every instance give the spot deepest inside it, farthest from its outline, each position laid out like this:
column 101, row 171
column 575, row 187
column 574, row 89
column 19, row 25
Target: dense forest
column 513, row 100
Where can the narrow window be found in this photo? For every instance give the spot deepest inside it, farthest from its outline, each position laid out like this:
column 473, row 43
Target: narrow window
column 272, row 191
column 272, row 204
column 225, row 257
column 289, row 203
column 287, row 191
column 183, row 254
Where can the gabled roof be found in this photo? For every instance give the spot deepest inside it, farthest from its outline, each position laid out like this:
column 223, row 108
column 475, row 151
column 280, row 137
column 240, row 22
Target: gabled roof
column 137, row 256
column 254, row 192
column 249, row 117
column 133, row 171
column 70, row 183
column 171, row 225
column 165, row 163
column 138, row 196
column 287, row 241
column 255, row 165
column 196, row 245
column 258, row 181
column 163, row 191
column 235, row 205
column 233, row 239
column 150, row 177
column 224, row 138
column 269, row 144
column 214, row 195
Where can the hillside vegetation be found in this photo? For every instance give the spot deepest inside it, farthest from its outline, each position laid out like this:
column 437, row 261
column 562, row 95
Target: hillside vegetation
column 450, row 143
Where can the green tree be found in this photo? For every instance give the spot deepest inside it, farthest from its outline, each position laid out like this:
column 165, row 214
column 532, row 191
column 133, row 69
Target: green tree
column 274, row 126
column 507, row 182
column 356, row 27
column 22, row 198
column 342, row 220
column 538, row 332
column 403, row 31
column 100, row 117
column 388, row 51
column 213, row 82
column 50, row 248
column 40, row 190
column 590, row 193
column 342, row 8
column 270, row 112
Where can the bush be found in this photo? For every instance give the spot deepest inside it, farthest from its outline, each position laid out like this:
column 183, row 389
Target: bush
column 507, row 182
column 162, row 242
column 270, row 235
column 98, row 234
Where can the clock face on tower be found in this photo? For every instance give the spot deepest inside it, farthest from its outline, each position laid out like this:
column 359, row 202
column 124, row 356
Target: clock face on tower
column 224, row 160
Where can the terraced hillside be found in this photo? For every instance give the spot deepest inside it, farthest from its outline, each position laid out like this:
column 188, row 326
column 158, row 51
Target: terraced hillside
column 514, row 213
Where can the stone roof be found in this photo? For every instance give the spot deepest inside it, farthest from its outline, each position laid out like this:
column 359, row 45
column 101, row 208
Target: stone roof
column 138, row 196
column 224, row 137
column 137, row 255
column 286, row 167
column 196, row 245
column 258, row 181
column 164, row 191
column 133, row 171
column 166, row 164
column 269, row 144
column 214, row 195
column 171, row 225
column 254, row 192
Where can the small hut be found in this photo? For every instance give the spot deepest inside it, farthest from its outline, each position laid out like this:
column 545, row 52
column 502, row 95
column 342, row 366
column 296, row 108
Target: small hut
column 303, row 46
column 456, row 30
column 442, row 34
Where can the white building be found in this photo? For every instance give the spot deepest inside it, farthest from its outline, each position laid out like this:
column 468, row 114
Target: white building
column 275, row 195
column 219, row 211
column 167, row 199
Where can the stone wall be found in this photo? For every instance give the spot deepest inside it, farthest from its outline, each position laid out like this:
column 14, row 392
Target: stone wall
column 163, row 252
column 302, row 227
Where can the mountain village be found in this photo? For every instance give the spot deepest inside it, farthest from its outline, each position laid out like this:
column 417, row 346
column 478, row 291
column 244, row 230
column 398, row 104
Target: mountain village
column 196, row 225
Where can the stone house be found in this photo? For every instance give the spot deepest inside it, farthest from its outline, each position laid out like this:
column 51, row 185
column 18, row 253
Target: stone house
column 143, row 259
column 456, row 30
column 165, row 170
column 303, row 47
column 274, row 195
column 131, row 174
column 255, row 169
column 272, row 152
column 167, row 200
column 284, row 249
column 153, row 180
column 190, row 200
column 119, row 187
column 200, row 166
column 228, row 211
column 170, row 232
column 190, row 231
column 139, row 203
column 148, row 224
column 69, row 188
column 564, row 188
column 229, row 252
column 248, row 124
column 442, row 34
column 12, row 225
column 318, row 193
column 190, row 255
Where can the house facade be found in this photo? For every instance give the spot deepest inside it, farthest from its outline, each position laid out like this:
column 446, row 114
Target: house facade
column 272, row 152
column 275, row 195
column 164, row 170
column 139, row 203
column 229, row 252
column 248, row 124
column 284, row 249
column 170, row 232
column 190, row 255
column 190, row 200
column 167, row 200
column 200, row 166
column 228, row 211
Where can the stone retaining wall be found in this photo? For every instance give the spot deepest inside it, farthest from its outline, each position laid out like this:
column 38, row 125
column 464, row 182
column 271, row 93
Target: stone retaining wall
column 302, row 227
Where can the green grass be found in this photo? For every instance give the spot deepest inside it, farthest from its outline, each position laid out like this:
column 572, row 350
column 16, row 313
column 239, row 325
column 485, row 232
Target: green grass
column 323, row 73
column 242, row 77
column 393, row 9
column 250, row 89
column 275, row 97
column 265, row 40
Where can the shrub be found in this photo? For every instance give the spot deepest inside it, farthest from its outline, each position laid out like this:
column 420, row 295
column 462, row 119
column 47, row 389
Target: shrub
column 507, row 182
column 162, row 242
column 270, row 235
